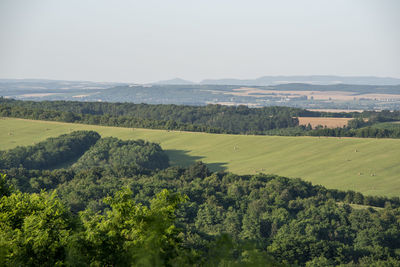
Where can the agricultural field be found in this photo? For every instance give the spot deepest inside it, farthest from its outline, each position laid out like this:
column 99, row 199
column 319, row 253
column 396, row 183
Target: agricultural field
column 335, row 110
column 313, row 94
column 370, row 166
column 328, row 122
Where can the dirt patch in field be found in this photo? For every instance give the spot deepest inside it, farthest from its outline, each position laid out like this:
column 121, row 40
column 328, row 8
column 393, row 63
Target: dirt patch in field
column 328, row 122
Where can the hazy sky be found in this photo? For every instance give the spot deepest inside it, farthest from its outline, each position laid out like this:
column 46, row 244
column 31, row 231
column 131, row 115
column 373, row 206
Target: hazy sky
column 143, row 41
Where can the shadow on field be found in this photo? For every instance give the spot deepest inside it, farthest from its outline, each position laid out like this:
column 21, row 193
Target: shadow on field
column 183, row 159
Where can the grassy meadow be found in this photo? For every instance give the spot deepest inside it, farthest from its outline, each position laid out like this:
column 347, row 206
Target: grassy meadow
column 370, row 166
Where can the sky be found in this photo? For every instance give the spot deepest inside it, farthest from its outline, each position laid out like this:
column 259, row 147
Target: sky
column 146, row 41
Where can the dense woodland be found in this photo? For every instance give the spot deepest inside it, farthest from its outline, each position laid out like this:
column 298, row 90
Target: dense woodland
column 49, row 153
column 210, row 118
column 100, row 210
column 115, row 153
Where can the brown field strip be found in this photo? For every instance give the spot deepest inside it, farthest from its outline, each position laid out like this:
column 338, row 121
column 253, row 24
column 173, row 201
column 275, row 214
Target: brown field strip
column 328, row 122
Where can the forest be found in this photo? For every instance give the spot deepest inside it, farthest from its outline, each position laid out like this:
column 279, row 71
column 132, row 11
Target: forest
column 49, row 153
column 210, row 118
column 119, row 203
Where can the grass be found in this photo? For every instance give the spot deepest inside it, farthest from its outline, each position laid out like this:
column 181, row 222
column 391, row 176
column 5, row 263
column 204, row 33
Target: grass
column 370, row 166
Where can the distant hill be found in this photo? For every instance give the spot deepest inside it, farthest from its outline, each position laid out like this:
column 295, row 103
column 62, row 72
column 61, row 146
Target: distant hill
column 313, row 79
column 20, row 85
column 224, row 92
column 177, row 81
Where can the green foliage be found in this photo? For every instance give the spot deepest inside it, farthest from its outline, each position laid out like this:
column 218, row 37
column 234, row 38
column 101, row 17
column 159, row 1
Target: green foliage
column 210, row 118
column 5, row 188
column 225, row 220
column 115, row 153
column 93, row 175
column 49, row 153
column 364, row 132
column 37, row 230
column 34, row 230
column 224, row 252
column 370, row 164
column 131, row 233
column 358, row 123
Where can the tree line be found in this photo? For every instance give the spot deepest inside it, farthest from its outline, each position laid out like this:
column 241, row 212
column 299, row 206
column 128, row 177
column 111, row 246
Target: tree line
column 374, row 127
column 50, row 152
column 365, row 132
column 210, row 118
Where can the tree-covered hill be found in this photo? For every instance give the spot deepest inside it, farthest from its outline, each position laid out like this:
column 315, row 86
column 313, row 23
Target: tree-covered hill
column 49, row 153
column 84, row 150
column 123, row 154
column 185, row 216
column 210, row 118
column 370, row 164
column 121, row 205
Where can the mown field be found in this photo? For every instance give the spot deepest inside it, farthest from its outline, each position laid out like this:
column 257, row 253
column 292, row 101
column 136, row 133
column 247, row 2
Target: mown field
column 370, row 166
column 326, row 122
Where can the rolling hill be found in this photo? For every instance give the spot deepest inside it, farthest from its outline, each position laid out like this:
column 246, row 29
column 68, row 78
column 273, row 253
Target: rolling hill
column 370, row 166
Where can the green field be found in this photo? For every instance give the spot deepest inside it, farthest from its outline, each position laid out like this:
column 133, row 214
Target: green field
column 370, row 166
